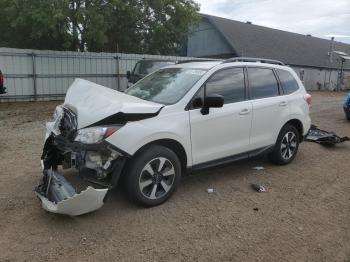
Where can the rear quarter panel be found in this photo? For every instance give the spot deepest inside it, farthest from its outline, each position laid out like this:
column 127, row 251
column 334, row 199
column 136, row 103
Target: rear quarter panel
column 299, row 108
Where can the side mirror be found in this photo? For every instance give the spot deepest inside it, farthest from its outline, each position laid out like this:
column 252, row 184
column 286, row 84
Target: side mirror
column 128, row 74
column 197, row 102
column 214, row 101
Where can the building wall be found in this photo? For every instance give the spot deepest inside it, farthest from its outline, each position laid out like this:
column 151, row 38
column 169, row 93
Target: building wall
column 320, row 79
column 205, row 40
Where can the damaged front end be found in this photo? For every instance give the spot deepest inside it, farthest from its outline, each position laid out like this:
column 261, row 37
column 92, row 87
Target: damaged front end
column 98, row 162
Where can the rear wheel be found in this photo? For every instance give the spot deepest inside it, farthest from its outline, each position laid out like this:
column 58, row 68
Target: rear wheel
column 286, row 146
column 153, row 176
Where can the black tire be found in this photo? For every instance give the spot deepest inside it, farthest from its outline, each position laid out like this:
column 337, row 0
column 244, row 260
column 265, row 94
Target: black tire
column 137, row 176
column 282, row 155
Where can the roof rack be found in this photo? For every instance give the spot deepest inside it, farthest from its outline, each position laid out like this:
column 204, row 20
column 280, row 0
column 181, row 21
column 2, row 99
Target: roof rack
column 197, row 60
column 251, row 59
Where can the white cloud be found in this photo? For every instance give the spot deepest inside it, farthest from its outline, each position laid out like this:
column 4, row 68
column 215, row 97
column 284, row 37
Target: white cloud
column 321, row 18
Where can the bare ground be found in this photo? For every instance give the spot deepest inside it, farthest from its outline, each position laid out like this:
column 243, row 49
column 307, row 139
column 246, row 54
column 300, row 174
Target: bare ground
column 305, row 215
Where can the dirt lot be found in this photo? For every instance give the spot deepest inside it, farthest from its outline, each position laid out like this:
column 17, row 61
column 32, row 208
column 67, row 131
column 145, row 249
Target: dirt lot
column 305, row 216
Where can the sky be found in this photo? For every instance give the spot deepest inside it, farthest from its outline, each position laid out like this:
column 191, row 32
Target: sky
column 321, row 18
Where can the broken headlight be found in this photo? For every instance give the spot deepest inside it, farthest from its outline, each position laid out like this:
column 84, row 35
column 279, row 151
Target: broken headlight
column 92, row 135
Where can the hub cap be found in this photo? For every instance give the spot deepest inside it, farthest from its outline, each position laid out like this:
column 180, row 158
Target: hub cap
column 288, row 145
column 157, row 178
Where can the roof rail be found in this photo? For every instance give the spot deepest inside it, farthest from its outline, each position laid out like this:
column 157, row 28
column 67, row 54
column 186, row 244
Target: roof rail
column 251, row 59
column 197, row 60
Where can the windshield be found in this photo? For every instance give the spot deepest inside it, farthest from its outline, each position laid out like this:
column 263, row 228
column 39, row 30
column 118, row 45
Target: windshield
column 166, row 86
column 145, row 68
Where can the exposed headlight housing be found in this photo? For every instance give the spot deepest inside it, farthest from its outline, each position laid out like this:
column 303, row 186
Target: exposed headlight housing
column 93, row 135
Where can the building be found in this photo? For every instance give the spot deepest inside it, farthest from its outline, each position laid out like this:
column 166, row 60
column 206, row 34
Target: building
column 312, row 58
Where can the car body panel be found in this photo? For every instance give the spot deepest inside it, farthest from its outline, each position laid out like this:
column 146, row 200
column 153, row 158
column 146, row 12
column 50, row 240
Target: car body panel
column 167, row 125
column 93, row 102
column 87, row 201
column 223, row 132
column 269, row 116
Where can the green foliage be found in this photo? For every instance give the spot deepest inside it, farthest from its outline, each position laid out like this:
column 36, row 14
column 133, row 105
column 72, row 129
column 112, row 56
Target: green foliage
column 149, row 26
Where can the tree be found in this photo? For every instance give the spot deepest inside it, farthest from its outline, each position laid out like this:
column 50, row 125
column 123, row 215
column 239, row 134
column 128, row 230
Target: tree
column 167, row 24
column 150, row 26
column 34, row 24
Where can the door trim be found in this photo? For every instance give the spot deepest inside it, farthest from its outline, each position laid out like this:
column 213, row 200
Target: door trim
column 233, row 158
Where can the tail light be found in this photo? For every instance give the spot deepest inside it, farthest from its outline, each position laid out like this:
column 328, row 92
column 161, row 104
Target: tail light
column 1, row 79
column 308, row 98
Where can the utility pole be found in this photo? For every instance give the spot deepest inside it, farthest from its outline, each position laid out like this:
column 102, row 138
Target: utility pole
column 331, row 60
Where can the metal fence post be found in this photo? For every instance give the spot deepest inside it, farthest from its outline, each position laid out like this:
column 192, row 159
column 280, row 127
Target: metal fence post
column 118, row 72
column 34, row 76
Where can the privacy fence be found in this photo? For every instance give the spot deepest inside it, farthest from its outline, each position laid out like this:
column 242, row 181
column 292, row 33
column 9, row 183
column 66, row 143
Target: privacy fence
column 46, row 75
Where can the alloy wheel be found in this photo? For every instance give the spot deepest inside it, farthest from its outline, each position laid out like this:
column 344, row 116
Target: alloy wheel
column 157, row 178
column 288, row 145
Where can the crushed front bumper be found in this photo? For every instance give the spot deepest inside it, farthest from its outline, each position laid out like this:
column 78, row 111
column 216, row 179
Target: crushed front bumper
column 99, row 165
column 57, row 195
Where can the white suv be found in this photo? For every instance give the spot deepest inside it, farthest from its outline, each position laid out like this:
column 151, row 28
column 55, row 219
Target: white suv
column 183, row 117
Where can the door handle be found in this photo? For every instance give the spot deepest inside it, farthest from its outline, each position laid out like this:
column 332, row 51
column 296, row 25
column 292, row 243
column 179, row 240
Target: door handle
column 245, row 111
column 283, row 103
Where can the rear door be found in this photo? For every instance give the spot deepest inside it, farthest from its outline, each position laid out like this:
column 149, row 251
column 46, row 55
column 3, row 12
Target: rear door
column 270, row 107
column 224, row 131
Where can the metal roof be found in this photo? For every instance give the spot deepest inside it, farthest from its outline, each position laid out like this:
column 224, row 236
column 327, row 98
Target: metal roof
column 291, row 48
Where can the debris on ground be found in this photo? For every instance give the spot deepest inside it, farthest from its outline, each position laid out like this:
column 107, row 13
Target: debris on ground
column 259, row 188
column 324, row 137
column 57, row 195
column 258, row 168
column 210, row 190
column 256, row 209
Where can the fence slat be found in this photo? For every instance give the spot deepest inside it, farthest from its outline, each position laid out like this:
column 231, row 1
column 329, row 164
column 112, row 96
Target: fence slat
column 46, row 75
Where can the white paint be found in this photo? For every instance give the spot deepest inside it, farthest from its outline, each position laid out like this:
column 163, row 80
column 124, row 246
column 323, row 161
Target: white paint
column 94, row 102
column 86, row 201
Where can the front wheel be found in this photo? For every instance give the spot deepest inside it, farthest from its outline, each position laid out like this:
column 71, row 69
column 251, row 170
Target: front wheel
column 286, row 146
column 153, row 176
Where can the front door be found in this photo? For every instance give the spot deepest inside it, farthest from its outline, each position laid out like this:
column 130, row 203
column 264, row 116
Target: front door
column 224, row 131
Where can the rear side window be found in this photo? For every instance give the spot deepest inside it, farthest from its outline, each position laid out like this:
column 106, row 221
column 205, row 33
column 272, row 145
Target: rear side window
column 288, row 82
column 263, row 83
column 229, row 83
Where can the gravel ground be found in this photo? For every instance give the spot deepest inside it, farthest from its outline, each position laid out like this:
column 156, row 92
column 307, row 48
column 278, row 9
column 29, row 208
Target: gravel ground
column 305, row 215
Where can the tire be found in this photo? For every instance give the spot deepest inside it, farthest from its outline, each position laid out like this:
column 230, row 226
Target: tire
column 147, row 189
column 285, row 149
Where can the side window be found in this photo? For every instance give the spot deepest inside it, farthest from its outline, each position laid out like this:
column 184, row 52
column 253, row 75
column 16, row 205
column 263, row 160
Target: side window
column 229, row 83
column 263, row 83
column 289, row 84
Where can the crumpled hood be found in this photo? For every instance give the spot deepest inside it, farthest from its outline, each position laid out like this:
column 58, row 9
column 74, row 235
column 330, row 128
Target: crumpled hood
column 94, row 102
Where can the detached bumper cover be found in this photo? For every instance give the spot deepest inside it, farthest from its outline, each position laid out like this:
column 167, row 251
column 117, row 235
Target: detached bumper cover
column 58, row 196
column 323, row 137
